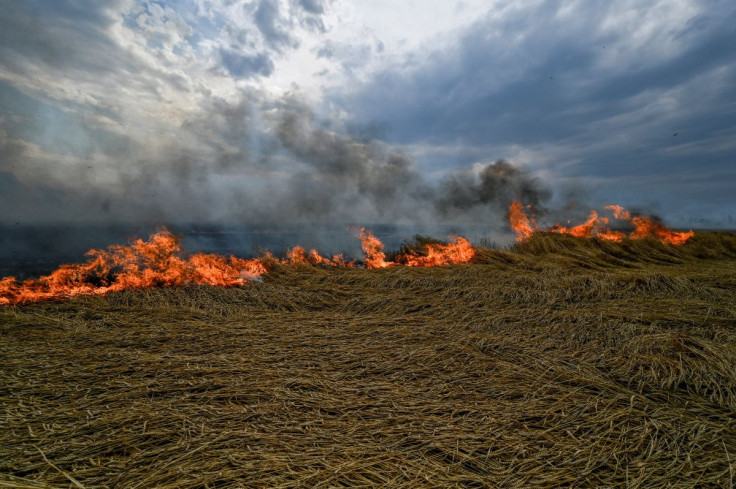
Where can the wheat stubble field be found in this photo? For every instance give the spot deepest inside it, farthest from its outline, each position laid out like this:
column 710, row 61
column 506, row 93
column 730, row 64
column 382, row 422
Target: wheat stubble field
column 561, row 362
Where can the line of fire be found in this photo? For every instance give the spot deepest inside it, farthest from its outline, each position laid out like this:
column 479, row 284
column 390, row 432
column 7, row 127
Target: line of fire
column 160, row 261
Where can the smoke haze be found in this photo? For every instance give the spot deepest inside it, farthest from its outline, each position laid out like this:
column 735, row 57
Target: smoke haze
column 321, row 114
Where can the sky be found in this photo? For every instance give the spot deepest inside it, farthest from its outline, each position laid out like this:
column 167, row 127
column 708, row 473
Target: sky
column 319, row 111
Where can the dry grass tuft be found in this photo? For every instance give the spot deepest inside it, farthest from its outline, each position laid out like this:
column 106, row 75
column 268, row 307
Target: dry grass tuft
column 559, row 362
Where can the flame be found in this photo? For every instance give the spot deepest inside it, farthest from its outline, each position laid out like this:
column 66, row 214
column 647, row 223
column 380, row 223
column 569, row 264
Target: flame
column 618, row 211
column 609, row 235
column 584, row 230
column 645, row 227
column 299, row 256
column 595, row 226
column 158, row 262
column 459, row 250
column 522, row 225
column 341, row 262
column 373, row 249
column 154, row 263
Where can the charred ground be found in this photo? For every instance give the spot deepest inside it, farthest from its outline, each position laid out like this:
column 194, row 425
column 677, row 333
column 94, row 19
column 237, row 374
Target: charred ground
column 560, row 362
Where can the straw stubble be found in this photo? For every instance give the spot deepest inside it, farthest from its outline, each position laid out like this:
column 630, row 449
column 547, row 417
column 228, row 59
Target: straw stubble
column 557, row 363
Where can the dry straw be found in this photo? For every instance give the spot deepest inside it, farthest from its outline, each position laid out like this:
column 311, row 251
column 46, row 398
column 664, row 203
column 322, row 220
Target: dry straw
column 558, row 363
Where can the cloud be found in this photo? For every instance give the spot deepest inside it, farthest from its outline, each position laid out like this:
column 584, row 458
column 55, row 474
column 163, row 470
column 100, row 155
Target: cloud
column 313, row 6
column 167, row 112
column 527, row 76
column 274, row 27
column 244, row 66
column 595, row 91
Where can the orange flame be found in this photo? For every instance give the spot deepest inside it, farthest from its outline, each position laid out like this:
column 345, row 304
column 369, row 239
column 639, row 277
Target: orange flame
column 158, row 262
column 522, row 225
column 609, row 235
column 143, row 264
column 618, row 211
column 373, row 249
column 645, row 227
column 299, row 256
column 459, row 250
column 595, row 226
column 584, row 230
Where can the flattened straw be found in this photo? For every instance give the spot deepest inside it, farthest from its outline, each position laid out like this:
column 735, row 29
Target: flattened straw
column 730, row 466
column 179, row 459
column 71, row 479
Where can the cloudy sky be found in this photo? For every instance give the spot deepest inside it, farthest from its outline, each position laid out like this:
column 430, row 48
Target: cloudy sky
column 344, row 111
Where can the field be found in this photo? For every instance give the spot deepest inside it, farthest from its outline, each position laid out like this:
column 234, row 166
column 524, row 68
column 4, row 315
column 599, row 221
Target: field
column 561, row 362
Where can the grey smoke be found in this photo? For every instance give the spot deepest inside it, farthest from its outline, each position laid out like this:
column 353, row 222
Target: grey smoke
column 385, row 184
column 238, row 166
column 496, row 185
column 254, row 160
column 247, row 159
column 339, row 169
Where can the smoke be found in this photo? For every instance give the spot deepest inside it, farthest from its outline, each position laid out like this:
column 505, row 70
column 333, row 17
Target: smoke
column 163, row 137
column 345, row 177
column 235, row 176
column 252, row 160
column 363, row 180
column 490, row 186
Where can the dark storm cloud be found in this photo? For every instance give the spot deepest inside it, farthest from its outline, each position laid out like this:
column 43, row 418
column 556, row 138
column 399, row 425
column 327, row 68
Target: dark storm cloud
column 276, row 26
column 312, row 12
column 71, row 39
column 570, row 88
column 541, row 87
column 32, row 31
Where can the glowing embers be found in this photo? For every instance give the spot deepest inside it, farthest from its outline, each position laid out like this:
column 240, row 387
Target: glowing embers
column 596, row 226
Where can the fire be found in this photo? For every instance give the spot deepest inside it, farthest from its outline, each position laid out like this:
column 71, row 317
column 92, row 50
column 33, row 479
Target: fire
column 159, row 262
column 646, row 227
column 618, row 211
column 373, row 249
column 595, row 226
column 299, row 256
column 584, row 230
column 459, row 250
column 522, row 225
column 154, row 263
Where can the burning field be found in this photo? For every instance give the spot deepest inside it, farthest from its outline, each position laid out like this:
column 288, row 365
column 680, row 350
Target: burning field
column 561, row 361
column 159, row 262
column 332, row 243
